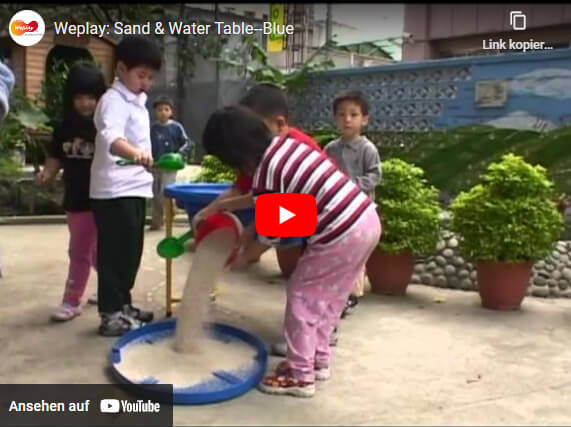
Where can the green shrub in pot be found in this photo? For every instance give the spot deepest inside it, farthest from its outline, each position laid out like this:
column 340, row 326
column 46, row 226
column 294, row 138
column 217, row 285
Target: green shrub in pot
column 505, row 223
column 410, row 215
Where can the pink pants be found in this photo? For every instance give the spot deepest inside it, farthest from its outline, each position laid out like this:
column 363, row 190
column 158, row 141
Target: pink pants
column 318, row 290
column 82, row 254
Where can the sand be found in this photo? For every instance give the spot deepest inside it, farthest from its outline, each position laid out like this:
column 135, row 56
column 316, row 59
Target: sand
column 192, row 354
column 161, row 361
column 207, row 266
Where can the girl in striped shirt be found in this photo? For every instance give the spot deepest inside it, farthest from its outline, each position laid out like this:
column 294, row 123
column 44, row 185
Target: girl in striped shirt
column 348, row 229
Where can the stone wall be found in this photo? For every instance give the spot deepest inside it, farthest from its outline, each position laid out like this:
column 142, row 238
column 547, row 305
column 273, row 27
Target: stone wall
column 448, row 269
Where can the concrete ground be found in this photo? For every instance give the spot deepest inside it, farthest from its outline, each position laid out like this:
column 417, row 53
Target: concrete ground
column 432, row 357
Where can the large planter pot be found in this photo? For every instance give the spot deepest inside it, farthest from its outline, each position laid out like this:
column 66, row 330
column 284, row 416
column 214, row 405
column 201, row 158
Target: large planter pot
column 503, row 285
column 390, row 274
column 287, row 259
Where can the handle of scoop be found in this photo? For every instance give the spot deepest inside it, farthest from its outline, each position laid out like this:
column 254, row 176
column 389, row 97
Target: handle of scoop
column 125, row 162
column 182, row 239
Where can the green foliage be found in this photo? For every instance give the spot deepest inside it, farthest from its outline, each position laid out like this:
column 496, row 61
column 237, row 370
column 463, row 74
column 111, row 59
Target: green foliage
column 409, row 209
column 324, row 135
column 51, row 95
column 467, row 151
column 213, row 170
column 250, row 61
column 510, row 216
column 9, row 169
column 24, row 116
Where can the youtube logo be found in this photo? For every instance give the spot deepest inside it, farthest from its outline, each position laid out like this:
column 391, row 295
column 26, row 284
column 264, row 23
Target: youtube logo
column 286, row 215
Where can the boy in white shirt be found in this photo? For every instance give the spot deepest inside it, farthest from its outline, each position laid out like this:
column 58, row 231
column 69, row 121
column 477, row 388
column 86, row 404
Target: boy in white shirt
column 118, row 193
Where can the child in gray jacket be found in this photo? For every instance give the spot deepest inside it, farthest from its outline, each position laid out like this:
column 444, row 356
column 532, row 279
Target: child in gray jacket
column 356, row 156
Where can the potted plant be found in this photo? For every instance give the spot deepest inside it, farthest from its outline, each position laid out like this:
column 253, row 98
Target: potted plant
column 505, row 224
column 410, row 218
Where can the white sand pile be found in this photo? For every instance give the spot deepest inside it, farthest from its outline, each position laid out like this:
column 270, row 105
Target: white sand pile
column 161, row 361
column 193, row 354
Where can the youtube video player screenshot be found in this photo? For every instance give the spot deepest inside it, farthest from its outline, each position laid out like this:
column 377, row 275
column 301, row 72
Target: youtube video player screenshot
column 285, row 214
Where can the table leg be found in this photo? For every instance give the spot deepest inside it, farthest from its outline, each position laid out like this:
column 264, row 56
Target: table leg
column 169, row 216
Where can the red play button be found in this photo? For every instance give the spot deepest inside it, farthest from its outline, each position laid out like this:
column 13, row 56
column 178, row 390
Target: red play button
column 286, row 215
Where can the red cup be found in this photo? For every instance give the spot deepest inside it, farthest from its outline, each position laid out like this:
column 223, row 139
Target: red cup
column 216, row 222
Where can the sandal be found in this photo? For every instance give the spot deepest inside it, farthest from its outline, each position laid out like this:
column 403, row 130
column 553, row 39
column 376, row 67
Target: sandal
column 65, row 312
column 287, row 385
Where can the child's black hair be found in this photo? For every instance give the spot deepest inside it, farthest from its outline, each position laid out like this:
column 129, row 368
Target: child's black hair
column 355, row 96
column 266, row 99
column 163, row 100
column 134, row 51
column 82, row 79
column 237, row 137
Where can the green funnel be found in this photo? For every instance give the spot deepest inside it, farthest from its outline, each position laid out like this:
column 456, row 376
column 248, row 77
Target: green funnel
column 167, row 162
column 173, row 247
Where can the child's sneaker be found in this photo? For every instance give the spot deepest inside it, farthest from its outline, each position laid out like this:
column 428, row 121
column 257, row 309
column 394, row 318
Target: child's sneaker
column 116, row 324
column 322, row 373
column 284, row 383
column 138, row 314
column 92, row 299
column 65, row 312
column 350, row 306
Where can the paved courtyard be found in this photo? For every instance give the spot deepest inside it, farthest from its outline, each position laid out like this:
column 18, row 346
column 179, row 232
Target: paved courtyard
column 432, row 357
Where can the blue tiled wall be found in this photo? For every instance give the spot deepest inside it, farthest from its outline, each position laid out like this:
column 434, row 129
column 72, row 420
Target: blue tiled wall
column 436, row 94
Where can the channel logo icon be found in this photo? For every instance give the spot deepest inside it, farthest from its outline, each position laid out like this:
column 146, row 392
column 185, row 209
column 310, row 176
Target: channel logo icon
column 109, row 406
column 286, row 215
column 27, row 28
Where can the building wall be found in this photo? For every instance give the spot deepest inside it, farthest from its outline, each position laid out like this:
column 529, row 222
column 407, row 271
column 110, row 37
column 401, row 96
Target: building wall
column 429, row 23
column 35, row 58
column 438, row 94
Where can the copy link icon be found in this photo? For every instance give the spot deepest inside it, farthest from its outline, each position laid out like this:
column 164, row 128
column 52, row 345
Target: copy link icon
column 109, row 406
column 517, row 20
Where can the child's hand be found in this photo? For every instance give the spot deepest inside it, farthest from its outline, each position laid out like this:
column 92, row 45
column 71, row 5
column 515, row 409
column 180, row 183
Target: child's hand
column 42, row 178
column 144, row 158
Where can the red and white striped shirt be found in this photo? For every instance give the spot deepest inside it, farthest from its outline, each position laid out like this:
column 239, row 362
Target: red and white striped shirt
column 290, row 166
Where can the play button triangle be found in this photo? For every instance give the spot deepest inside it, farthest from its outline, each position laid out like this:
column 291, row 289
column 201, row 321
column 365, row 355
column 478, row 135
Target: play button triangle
column 285, row 215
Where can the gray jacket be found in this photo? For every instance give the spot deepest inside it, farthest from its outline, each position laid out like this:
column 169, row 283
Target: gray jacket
column 360, row 160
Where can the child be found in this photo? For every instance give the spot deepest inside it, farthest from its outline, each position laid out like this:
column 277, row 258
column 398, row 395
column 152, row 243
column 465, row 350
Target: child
column 167, row 136
column 348, row 228
column 270, row 104
column 356, row 156
column 72, row 148
column 118, row 193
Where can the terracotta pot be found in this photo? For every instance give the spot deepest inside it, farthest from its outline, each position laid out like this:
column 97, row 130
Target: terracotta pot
column 287, row 259
column 503, row 285
column 390, row 274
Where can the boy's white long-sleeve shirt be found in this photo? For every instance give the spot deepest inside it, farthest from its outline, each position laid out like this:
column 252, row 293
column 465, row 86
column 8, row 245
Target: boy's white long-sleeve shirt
column 120, row 114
